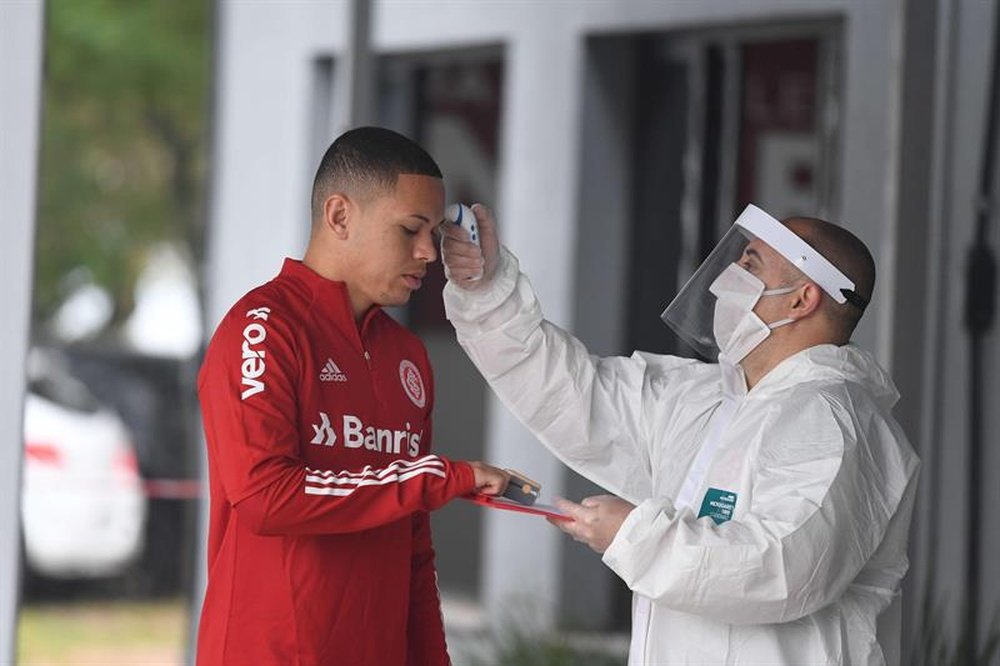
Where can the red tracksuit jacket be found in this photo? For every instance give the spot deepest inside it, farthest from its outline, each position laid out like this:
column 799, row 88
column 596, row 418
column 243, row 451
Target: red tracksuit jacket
column 318, row 434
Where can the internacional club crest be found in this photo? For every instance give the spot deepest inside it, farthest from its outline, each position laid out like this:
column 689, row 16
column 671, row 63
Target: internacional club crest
column 413, row 384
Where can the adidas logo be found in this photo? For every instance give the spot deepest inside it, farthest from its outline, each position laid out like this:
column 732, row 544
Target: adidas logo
column 331, row 373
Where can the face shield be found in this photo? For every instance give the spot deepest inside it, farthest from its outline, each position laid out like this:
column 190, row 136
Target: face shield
column 692, row 312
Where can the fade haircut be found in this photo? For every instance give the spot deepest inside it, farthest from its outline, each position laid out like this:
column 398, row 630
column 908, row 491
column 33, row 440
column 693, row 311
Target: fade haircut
column 849, row 254
column 365, row 162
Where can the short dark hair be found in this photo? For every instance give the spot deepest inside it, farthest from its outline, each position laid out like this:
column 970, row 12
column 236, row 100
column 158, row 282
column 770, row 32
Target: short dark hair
column 849, row 254
column 365, row 161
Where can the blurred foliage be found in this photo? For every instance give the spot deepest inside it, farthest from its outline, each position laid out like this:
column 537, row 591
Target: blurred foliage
column 548, row 652
column 513, row 645
column 125, row 121
column 103, row 632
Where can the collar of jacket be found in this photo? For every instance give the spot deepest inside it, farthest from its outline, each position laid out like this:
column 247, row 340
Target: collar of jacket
column 847, row 363
column 331, row 293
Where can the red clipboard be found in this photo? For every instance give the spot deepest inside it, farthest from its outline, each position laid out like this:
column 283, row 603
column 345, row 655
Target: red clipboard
column 508, row 505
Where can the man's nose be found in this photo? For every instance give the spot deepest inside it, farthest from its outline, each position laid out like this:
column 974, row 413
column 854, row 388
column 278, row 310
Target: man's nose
column 426, row 249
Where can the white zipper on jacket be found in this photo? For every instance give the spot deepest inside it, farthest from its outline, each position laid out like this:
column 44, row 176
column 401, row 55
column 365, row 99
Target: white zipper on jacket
column 723, row 416
column 734, row 391
column 721, row 419
column 640, row 630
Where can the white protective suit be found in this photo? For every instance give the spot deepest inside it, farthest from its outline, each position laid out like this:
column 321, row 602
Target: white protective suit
column 806, row 486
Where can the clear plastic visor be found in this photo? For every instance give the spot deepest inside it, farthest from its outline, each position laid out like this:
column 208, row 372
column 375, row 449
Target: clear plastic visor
column 692, row 311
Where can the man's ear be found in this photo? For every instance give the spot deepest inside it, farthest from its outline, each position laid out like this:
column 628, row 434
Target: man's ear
column 336, row 214
column 807, row 300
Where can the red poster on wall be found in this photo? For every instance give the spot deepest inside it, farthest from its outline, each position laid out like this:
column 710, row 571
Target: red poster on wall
column 779, row 139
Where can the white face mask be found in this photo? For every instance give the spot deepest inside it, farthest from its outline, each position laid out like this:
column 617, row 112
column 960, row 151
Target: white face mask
column 737, row 329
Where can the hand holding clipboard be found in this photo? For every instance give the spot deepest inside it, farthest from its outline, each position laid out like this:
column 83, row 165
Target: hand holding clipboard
column 520, row 496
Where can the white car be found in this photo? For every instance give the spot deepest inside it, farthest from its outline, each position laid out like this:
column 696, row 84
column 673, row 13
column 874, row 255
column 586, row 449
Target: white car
column 83, row 508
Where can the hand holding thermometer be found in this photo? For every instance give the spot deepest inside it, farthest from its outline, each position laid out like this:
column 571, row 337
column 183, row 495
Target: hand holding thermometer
column 463, row 216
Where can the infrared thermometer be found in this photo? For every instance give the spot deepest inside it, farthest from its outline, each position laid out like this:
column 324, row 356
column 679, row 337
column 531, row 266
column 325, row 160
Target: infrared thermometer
column 463, row 216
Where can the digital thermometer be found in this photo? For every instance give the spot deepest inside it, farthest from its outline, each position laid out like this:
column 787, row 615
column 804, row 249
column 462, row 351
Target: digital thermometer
column 463, row 216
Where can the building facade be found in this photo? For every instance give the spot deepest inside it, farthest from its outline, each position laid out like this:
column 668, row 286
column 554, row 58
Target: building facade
column 615, row 140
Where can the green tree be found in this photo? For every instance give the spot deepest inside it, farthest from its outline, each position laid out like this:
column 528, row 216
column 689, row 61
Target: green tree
column 126, row 92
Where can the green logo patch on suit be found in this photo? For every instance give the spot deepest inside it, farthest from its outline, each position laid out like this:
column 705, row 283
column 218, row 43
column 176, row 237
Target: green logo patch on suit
column 718, row 505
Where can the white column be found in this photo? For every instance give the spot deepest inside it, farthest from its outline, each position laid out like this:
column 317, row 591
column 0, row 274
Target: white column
column 262, row 149
column 521, row 555
column 870, row 167
column 20, row 92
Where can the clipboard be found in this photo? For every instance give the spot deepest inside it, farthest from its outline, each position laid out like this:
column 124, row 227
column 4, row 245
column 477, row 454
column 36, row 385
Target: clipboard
column 494, row 502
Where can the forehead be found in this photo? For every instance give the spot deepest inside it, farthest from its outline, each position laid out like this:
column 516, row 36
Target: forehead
column 417, row 198
column 414, row 191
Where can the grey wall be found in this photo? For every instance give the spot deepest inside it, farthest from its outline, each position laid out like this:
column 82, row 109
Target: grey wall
column 602, row 271
column 917, row 251
column 963, row 42
column 20, row 93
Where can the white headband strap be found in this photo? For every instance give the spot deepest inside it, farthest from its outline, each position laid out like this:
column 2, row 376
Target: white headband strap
column 797, row 251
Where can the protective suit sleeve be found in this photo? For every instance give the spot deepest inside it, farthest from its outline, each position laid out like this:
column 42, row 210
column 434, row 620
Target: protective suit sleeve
column 425, row 629
column 253, row 441
column 586, row 410
column 822, row 501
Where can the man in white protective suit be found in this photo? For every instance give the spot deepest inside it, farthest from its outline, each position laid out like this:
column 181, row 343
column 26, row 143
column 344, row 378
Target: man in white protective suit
column 761, row 504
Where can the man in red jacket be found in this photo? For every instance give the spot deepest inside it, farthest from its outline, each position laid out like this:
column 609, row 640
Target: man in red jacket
column 317, row 413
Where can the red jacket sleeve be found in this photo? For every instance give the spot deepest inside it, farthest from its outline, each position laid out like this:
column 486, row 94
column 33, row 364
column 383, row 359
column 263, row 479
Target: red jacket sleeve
column 425, row 629
column 247, row 389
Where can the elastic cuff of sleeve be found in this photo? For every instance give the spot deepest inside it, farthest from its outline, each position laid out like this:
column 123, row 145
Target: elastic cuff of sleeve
column 462, row 305
column 631, row 532
column 465, row 478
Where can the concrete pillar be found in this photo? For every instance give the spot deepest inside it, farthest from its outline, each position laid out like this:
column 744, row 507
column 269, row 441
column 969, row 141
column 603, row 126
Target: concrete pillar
column 871, row 127
column 536, row 218
column 20, row 93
